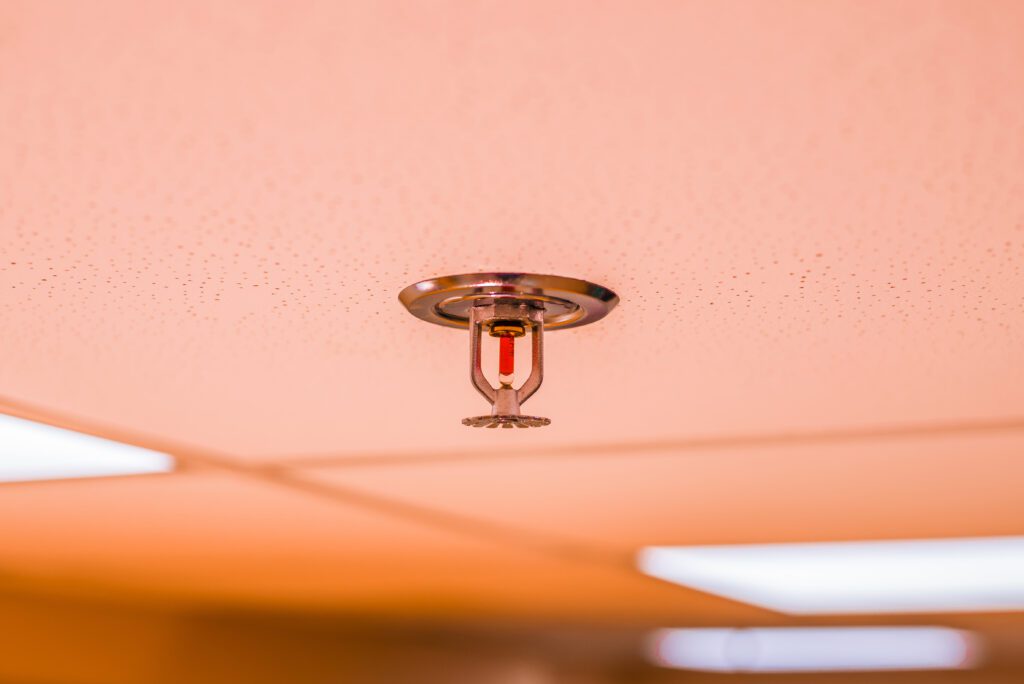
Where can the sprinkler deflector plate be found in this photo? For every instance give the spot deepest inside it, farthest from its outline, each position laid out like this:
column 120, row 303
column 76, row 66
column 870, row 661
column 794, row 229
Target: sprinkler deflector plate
column 567, row 302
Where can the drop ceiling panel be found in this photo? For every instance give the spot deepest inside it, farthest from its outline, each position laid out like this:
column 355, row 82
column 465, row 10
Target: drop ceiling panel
column 663, row 495
column 205, row 540
column 812, row 212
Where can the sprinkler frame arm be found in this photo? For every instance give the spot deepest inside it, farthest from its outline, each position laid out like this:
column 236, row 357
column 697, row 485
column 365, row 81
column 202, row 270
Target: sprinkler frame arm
column 506, row 400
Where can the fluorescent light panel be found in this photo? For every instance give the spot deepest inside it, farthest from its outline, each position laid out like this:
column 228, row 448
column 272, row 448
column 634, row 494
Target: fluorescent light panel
column 34, row 451
column 815, row 649
column 914, row 576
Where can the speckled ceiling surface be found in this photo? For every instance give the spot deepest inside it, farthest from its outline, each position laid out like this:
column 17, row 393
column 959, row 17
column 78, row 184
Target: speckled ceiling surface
column 813, row 217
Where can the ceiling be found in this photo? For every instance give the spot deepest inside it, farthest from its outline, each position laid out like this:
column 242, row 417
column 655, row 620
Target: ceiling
column 813, row 214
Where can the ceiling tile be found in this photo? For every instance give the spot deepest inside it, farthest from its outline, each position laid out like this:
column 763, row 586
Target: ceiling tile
column 953, row 486
column 812, row 214
column 205, row 540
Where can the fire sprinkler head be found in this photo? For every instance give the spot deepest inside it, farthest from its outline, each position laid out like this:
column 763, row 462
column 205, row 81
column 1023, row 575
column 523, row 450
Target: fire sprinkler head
column 506, row 305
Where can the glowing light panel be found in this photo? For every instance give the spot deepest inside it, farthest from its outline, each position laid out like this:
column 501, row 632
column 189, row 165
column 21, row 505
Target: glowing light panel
column 815, row 649
column 34, row 451
column 914, row 576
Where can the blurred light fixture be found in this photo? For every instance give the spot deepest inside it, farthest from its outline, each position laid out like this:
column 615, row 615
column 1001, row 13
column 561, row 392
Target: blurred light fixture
column 913, row 576
column 815, row 649
column 506, row 305
column 35, row 451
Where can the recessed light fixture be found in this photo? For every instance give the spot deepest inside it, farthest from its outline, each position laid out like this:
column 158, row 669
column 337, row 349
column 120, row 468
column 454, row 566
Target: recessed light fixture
column 913, row 576
column 34, row 451
column 506, row 306
column 815, row 649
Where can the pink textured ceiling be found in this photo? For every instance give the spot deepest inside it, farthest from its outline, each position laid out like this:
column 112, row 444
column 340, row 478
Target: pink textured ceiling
column 813, row 213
